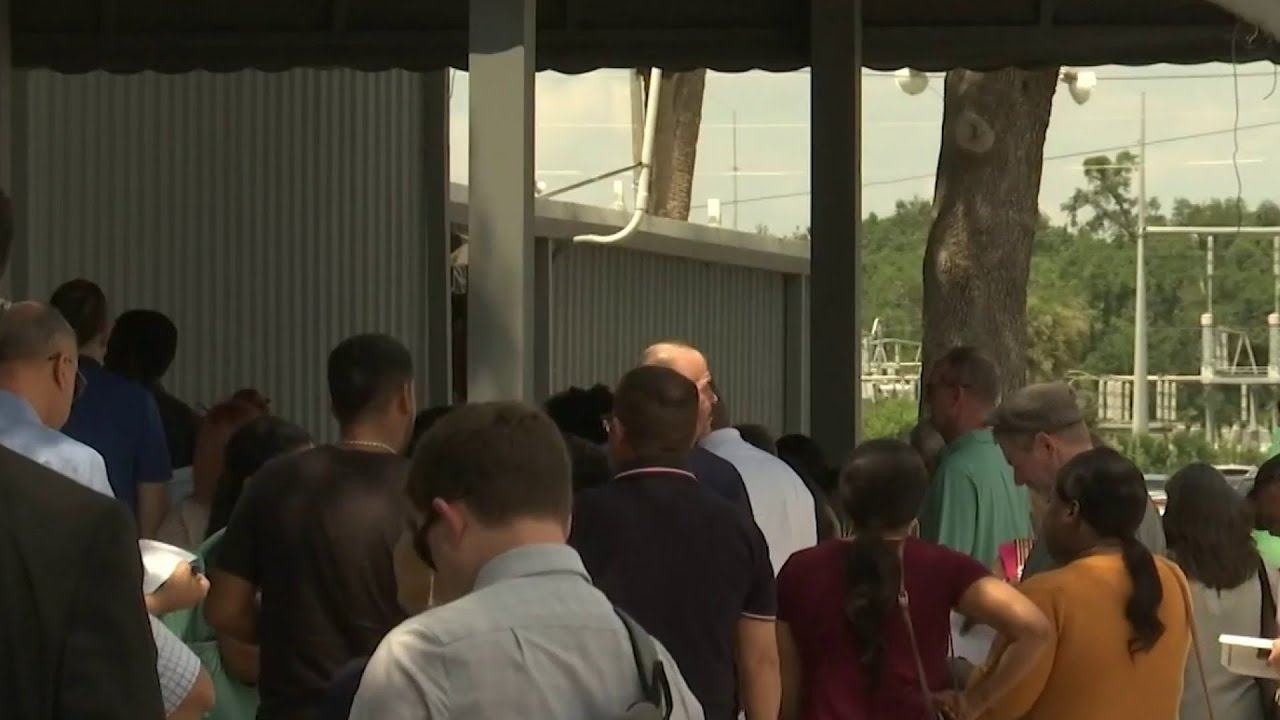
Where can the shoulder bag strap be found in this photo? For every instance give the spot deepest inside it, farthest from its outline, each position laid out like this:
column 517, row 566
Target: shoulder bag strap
column 1267, row 628
column 653, row 675
column 1195, row 647
column 904, row 604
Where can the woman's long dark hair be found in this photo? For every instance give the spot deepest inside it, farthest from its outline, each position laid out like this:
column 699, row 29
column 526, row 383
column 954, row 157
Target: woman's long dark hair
column 1112, row 495
column 249, row 448
column 1208, row 527
column 881, row 489
column 1268, row 474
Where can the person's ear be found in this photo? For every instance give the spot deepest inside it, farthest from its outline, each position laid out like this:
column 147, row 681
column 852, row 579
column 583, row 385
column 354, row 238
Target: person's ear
column 63, row 373
column 453, row 517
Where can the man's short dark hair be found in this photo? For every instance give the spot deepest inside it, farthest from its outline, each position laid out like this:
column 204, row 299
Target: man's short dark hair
column 973, row 370
column 505, row 459
column 30, row 330
column 84, row 305
column 658, row 410
column 365, row 373
column 142, row 345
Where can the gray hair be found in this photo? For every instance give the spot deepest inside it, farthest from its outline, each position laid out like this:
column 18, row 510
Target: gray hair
column 30, row 331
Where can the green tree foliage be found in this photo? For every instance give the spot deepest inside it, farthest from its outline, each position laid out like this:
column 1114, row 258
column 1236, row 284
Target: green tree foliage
column 1082, row 277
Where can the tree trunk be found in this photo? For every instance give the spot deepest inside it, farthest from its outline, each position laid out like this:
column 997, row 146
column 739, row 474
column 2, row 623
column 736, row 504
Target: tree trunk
column 985, row 206
column 675, row 142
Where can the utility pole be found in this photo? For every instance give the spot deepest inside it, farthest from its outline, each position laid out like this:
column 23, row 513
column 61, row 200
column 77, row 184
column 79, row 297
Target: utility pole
column 1141, row 404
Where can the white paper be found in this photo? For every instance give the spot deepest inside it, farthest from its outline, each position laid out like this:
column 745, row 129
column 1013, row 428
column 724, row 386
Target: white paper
column 159, row 560
column 973, row 645
column 1247, row 656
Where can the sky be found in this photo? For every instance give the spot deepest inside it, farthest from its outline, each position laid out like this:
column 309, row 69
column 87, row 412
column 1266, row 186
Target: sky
column 583, row 128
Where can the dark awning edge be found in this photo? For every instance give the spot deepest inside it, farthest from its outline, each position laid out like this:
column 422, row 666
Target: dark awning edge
column 777, row 49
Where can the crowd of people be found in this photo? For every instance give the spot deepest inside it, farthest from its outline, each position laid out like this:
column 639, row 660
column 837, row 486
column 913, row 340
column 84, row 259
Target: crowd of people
column 620, row 552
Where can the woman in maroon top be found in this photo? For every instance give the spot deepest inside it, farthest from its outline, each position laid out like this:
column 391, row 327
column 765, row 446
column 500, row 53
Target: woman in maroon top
column 845, row 647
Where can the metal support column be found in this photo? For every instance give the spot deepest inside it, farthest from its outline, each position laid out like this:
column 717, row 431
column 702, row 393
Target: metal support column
column 543, row 252
column 8, row 166
column 500, row 273
column 796, row 354
column 437, row 308
column 835, row 212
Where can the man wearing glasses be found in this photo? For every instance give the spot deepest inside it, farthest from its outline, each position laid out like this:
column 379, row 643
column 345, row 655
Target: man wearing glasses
column 39, row 379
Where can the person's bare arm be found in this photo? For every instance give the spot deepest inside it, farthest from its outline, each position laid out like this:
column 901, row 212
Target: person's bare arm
column 1027, row 641
column 759, row 675
column 153, row 502
column 232, row 606
column 184, row 589
column 197, row 702
column 239, row 658
column 792, row 673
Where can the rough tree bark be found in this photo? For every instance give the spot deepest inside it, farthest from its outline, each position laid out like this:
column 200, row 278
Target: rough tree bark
column 675, row 143
column 985, row 207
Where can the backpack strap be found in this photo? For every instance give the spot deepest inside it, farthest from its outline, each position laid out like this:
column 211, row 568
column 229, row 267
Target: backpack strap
column 653, row 674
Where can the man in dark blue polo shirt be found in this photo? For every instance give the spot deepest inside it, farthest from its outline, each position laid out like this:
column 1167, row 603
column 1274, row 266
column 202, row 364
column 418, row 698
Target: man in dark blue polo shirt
column 687, row 565
column 714, row 473
column 115, row 416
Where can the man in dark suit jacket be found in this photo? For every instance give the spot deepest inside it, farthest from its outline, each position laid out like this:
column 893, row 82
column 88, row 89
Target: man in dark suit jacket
column 75, row 642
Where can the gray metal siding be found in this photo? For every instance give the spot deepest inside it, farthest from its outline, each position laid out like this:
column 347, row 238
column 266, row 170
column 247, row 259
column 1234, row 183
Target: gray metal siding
column 610, row 303
column 269, row 215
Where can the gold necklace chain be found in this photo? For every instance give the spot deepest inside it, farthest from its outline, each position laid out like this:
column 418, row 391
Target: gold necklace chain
column 369, row 444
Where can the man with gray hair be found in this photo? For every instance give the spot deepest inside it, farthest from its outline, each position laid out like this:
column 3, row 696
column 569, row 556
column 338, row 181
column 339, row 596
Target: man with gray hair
column 39, row 379
column 1040, row 428
column 714, row 473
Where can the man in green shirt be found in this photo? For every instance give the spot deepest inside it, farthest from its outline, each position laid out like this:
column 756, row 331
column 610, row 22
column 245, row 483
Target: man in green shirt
column 1040, row 428
column 973, row 505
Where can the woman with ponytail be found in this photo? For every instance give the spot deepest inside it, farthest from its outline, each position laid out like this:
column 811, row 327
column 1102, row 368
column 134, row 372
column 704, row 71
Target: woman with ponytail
column 1122, row 616
column 847, row 649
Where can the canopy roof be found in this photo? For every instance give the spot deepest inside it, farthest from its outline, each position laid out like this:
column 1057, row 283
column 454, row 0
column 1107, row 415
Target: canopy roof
column 580, row 35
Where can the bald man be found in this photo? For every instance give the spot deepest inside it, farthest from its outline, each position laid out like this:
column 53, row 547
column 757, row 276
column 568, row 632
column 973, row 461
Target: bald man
column 715, row 474
column 39, row 379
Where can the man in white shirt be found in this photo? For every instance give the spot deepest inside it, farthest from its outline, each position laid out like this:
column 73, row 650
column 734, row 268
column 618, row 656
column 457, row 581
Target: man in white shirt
column 780, row 501
column 528, row 636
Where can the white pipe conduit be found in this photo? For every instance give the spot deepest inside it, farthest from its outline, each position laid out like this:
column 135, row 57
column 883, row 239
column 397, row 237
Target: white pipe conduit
column 646, row 166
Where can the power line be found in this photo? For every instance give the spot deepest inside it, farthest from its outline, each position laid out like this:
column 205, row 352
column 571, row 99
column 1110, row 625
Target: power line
column 1062, row 156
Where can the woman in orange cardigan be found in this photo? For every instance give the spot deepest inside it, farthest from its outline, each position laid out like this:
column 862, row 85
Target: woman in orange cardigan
column 1120, row 615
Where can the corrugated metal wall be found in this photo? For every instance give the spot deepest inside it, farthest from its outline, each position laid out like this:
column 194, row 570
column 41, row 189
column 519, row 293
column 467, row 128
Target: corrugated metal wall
column 610, row 303
column 269, row 214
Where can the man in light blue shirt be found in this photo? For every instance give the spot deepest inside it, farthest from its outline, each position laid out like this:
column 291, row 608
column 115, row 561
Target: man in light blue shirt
column 39, row 379
column 530, row 636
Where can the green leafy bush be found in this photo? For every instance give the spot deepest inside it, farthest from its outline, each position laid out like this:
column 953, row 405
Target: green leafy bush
column 891, row 417
column 1166, row 454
